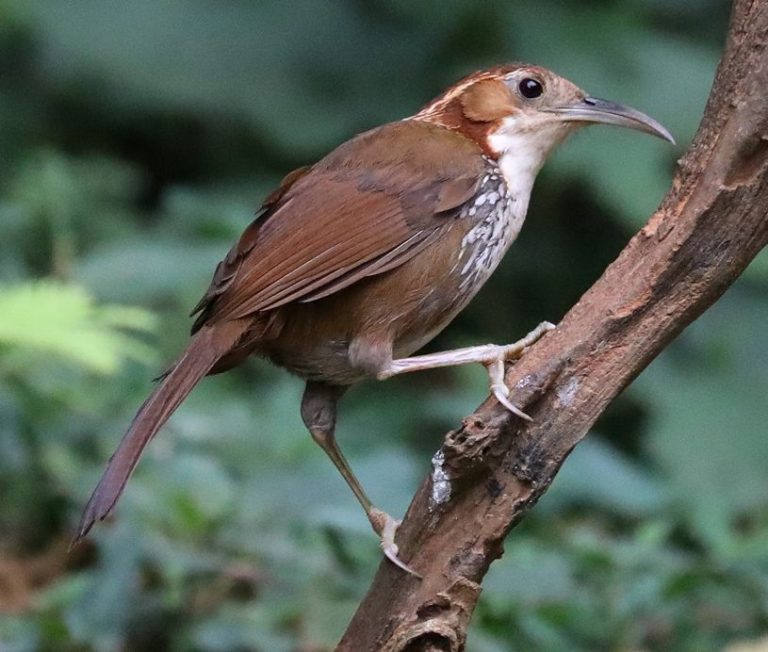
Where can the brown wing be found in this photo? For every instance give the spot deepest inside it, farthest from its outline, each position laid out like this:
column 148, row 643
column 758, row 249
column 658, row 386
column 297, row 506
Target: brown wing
column 366, row 208
column 227, row 268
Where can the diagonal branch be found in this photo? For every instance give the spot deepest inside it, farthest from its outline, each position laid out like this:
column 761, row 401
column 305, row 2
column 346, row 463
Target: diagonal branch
column 712, row 223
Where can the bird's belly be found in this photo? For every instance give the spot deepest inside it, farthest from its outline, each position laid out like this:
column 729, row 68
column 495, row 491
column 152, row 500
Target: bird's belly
column 316, row 337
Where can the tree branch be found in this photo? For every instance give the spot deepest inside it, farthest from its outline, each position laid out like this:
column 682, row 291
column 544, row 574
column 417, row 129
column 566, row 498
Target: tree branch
column 711, row 224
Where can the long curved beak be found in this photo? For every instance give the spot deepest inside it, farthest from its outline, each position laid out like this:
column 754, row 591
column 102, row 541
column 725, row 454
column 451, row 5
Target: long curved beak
column 593, row 109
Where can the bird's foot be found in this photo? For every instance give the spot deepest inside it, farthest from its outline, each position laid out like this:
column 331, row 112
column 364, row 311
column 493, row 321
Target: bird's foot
column 501, row 354
column 386, row 527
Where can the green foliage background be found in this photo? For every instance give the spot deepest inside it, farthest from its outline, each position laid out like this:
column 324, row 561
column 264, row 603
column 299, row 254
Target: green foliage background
column 136, row 139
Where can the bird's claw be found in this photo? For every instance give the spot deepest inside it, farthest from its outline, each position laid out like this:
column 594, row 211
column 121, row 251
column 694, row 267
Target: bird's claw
column 386, row 527
column 500, row 390
column 495, row 366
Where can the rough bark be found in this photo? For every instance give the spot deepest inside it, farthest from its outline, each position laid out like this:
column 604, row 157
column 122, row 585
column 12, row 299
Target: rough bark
column 711, row 224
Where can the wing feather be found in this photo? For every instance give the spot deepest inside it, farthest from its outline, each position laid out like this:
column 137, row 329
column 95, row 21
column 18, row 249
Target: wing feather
column 363, row 210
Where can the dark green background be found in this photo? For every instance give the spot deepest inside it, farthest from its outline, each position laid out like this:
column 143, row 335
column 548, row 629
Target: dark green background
column 136, row 140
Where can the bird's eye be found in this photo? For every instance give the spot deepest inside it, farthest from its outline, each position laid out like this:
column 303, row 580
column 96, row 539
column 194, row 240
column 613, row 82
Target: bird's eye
column 530, row 88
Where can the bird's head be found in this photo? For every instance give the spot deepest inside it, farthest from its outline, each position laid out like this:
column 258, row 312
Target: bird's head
column 526, row 110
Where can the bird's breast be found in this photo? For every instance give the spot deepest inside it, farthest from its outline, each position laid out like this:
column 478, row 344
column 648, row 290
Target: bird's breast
column 495, row 217
column 462, row 262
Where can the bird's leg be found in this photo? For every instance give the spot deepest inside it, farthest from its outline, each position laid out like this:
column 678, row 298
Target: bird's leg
column 493, row 356
column 318, row 410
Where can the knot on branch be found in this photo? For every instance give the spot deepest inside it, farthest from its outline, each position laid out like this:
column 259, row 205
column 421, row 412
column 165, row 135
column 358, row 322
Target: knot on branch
column 466, row 451
column 441, row 622
column 751, row 162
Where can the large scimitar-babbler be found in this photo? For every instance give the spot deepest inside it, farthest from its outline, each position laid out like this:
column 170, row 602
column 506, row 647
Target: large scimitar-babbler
column 356, row 262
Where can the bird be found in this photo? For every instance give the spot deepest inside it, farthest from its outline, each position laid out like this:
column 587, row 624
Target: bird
column 355, row 262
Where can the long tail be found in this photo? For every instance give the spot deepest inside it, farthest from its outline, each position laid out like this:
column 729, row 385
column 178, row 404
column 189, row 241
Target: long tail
column 207, row 346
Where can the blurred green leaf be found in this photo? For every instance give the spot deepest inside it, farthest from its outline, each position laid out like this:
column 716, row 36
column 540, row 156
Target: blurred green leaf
column 598, row 475
column 704, row 434
column 50, row 317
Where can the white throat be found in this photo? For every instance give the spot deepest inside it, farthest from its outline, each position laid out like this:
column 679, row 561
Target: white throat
column 522, row 153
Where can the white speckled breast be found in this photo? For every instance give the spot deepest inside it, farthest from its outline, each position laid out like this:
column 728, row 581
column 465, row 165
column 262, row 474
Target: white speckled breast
column 498, row 215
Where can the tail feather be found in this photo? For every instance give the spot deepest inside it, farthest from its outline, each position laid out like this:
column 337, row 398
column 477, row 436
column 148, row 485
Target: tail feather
column 206, row 348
